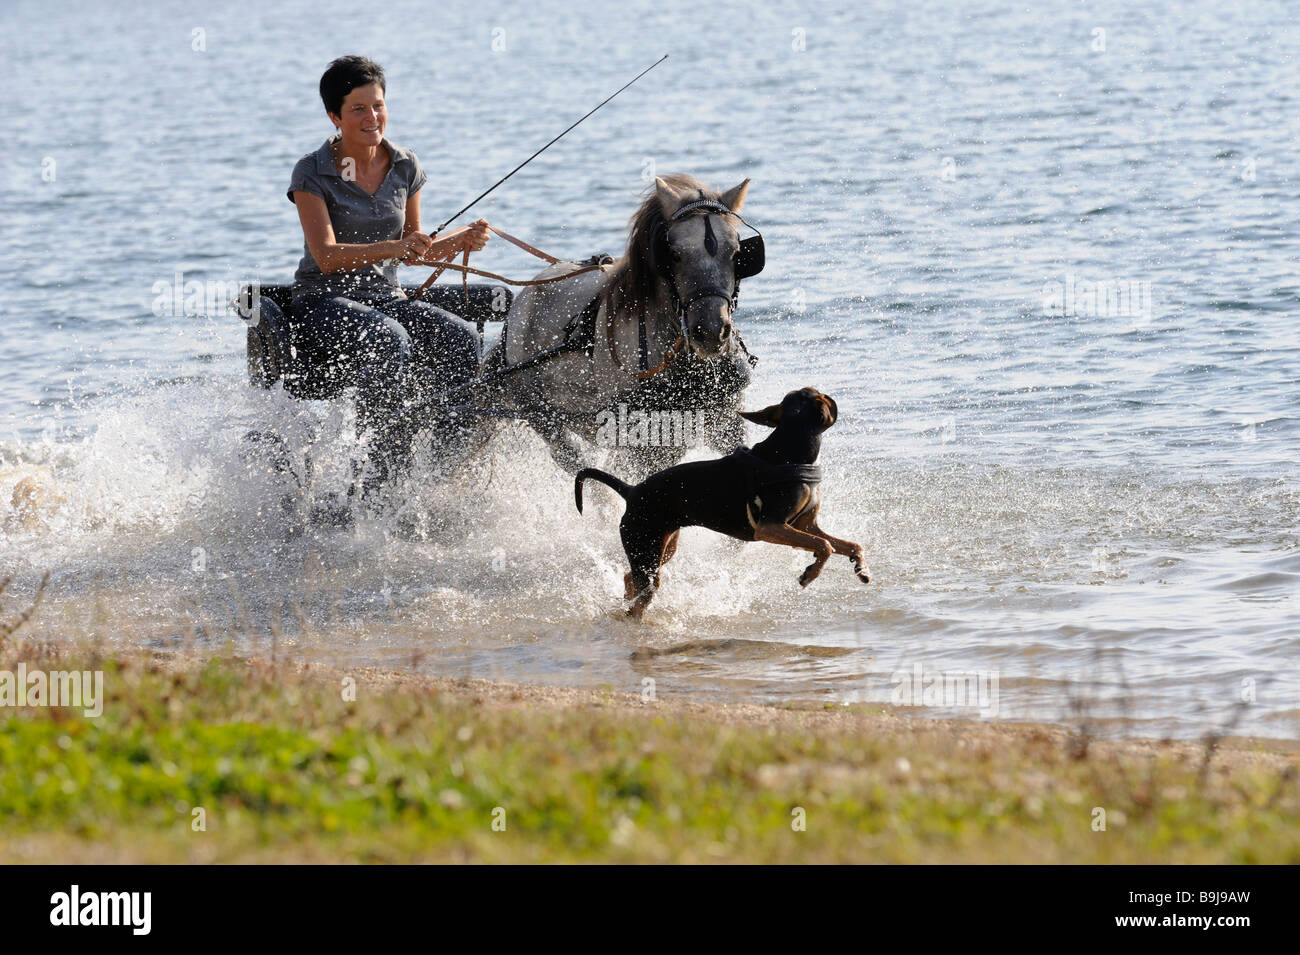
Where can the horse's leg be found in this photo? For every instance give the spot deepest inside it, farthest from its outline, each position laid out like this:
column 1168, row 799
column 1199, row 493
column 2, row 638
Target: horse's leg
column 492, row 394
column 726, row 431
column 560, row 441
column 566, row 452
column 639, row 463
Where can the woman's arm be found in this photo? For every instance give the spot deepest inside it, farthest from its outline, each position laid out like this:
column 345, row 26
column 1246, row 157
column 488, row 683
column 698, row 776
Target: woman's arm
column 333, row 256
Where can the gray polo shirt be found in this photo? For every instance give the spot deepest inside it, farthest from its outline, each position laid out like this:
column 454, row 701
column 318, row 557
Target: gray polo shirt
column 357, row 217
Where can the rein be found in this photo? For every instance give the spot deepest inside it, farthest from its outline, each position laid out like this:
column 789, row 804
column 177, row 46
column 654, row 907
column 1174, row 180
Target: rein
column 678, row 348
column 466, row 270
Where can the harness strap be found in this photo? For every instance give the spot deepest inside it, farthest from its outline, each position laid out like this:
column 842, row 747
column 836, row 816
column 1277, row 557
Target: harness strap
column 675, row 349
column 761, row 474
column 464, row 278
column 580, row 333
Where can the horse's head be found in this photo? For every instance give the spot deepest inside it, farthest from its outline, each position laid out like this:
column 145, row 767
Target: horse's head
column 684, row 249
column 697, row 252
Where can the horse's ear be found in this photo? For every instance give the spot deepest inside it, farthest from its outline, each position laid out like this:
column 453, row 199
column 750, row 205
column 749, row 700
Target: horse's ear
column 769, row 417
column 733, row 199
column 669, row 199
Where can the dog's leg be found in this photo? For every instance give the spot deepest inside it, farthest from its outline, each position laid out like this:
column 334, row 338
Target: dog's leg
column 645, row 550
column 670, row 547
column 807, row 522
column 787, row 535
column 643, row 595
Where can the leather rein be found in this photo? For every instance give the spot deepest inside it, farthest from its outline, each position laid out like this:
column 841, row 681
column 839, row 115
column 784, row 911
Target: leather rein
column 466, row 270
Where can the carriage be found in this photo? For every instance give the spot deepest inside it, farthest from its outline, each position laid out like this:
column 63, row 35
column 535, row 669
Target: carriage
column 273, row 357
column 573, row 355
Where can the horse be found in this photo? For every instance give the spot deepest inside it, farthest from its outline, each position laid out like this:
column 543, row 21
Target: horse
column 672, row 295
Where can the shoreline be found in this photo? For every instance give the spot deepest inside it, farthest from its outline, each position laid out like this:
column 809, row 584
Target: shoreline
column 884, row 716
column 298, row 761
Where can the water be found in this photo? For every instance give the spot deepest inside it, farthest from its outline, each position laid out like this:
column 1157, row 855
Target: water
column 1095, row 504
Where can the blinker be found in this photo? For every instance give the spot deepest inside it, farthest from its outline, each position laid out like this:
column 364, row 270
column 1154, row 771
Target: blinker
column 750, row 257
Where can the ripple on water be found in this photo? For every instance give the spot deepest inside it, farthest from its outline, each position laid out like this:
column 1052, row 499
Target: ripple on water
column 1048, row 496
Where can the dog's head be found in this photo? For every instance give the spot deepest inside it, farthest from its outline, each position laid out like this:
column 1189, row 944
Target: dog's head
column 806, row 408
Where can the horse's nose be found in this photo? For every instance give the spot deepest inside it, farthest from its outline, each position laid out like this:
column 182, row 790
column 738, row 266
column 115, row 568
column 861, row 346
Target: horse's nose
column 718, row 335
column 710, row 325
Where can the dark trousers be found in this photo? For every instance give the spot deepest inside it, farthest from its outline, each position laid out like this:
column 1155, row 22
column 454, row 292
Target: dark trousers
column 393, row 351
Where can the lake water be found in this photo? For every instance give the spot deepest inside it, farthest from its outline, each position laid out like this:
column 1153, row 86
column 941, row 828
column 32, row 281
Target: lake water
column 1090, row 498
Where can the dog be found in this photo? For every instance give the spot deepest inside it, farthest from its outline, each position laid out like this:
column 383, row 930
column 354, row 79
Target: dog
column 768, row 493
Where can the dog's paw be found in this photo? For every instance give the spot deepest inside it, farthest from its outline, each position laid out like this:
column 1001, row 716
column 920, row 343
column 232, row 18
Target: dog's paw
column 863, row 571
column 636, row 611
column 809, row 574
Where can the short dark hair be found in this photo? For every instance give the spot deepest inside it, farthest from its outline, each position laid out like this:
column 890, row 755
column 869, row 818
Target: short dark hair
column 344, row 75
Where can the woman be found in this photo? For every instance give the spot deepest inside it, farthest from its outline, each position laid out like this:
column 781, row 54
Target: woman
column 358, row 199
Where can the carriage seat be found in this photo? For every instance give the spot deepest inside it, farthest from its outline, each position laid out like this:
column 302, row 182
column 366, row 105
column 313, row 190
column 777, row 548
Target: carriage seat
column 272, row 356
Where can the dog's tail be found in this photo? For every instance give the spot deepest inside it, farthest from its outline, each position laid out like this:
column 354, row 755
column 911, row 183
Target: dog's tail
column 597, row 475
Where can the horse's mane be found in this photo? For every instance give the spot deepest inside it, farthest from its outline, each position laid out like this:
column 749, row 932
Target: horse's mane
column 634, row 284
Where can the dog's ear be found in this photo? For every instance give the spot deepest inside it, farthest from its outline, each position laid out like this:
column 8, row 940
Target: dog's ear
column 768, row 417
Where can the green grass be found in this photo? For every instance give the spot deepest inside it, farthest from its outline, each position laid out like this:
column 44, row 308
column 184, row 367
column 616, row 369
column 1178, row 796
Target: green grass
column 286, row 770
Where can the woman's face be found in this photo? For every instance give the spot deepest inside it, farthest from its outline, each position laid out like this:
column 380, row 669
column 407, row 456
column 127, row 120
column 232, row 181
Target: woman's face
column 364, row 116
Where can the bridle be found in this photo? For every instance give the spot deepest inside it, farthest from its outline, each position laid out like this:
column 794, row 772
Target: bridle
column 749, row 260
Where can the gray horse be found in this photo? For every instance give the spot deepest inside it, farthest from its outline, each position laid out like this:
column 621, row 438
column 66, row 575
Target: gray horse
column 673, row 290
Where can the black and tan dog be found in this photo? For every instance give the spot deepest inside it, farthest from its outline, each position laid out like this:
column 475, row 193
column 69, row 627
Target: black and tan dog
column 768, row 493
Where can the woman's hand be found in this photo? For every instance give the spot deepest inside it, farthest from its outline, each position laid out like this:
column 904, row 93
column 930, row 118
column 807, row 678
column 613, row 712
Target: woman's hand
column 477, row 236
column 470, row 238
column 414, row 247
